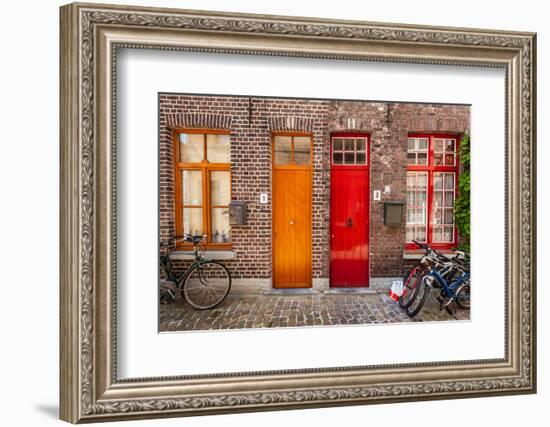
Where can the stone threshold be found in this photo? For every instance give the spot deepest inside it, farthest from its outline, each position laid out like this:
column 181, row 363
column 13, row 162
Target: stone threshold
column 331, row 291
column 353, row 291
column 295, row 291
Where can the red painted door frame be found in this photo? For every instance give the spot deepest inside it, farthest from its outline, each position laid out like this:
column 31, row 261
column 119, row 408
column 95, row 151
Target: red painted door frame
column 349, row 238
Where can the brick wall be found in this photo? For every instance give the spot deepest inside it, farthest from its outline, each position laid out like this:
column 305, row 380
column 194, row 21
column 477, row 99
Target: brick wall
column 251, row 121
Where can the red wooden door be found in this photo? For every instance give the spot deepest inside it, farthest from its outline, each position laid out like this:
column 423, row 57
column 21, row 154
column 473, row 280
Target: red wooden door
column 349, row 211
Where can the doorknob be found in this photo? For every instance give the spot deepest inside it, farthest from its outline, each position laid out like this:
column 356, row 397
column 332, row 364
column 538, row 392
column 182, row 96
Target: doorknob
column 349, row 222
column 291, row 222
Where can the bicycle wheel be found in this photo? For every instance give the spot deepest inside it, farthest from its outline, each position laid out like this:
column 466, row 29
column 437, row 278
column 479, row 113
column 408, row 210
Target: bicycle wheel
column 206, row 285
column 167, row 292
column 463, row 295
column 420, row 298
column 410, row 288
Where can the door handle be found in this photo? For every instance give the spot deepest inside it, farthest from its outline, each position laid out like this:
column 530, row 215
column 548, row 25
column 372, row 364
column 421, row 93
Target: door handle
column 349, row 222
column 291, row 222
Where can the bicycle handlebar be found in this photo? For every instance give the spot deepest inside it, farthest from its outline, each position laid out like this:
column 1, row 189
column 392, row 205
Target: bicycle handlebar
column 195, row 239
column 442, row 257
column 172, row 241
column 421, row 245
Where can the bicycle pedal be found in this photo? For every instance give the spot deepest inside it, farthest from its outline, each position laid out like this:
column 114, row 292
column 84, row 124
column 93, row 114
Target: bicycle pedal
column 449, row 301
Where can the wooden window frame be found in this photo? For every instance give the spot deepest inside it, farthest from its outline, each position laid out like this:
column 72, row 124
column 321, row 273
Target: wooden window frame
column 355, row 136
column 292, row 164
column 430, row 168
column 205, row 167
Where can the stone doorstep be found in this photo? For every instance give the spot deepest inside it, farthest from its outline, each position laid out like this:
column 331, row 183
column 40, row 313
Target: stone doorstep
column 368, row 290
column 302, row 291
column 320, row 286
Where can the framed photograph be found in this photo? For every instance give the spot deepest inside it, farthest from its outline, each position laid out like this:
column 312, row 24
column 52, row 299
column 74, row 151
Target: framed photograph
column 268, row 212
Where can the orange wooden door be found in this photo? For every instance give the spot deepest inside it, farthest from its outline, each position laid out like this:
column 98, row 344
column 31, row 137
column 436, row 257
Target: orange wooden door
column 292, row 228
column 292, row 169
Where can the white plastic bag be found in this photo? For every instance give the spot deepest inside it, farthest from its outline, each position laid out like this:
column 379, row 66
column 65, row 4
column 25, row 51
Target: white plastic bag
column 396, row 289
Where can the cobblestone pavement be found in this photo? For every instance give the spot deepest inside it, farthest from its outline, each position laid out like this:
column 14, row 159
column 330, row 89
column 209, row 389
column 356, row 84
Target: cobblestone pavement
column 240, row 311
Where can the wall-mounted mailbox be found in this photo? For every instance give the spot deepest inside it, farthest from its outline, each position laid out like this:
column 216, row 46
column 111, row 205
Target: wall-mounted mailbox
column 237, row 212
column 393, row 213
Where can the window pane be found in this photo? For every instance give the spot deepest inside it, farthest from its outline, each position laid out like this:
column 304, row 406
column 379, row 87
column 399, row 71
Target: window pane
column 410, row 198
column 191, row 147
column 437, row 234
column 410, row 216
column 423, row 144
column 449, row 198
column 410, row 234
column 449, row 159
column 283, row 150
column 349, row 144
column 349, row 158
column 438, row 181
column 420, row 219
column 218, row 148
column 449, row 181
column 361, row 158
column 421, row 198
column 302, row 146
column 447, row 234
column 337, row 144
column 220, row 225
column 438, row 145
column 337, row 158
column 411, row 144
column 422, row 180
column 220, row 188
column 191, row 184
column 438, row 199
column 421, row 234
column 438, row 159
column 450, row 145
column 436, row 216
column 411, row 159
column 360, row 144
column 422, row 159
column 192, row 221
column 411, row 181
column 449, row 216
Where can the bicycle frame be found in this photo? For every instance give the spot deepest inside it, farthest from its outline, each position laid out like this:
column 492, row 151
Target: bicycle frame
column 169, row 271
column 448, row 288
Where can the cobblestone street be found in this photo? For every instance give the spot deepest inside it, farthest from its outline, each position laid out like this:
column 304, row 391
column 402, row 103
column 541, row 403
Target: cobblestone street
column 240, row 311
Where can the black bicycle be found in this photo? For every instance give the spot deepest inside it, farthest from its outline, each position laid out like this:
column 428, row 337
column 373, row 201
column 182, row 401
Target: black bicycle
column 449, row 275
column 411, row 281
column 204, row 284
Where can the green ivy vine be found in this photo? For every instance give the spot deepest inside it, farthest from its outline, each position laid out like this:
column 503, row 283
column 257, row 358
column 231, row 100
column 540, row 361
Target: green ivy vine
column 462, row 203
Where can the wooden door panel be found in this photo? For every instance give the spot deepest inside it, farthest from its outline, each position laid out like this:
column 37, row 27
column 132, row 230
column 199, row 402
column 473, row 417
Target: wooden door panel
column 291, row 228
column 349, row 265
column 301, row 227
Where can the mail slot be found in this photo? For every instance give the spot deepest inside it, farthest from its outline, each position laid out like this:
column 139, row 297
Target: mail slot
column 393, row 213
column 237, row 212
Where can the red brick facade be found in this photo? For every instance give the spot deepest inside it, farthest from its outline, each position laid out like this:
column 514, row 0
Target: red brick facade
column 251, row 121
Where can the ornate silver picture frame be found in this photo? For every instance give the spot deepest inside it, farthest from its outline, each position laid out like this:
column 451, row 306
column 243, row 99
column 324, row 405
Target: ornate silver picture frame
column 90, row 388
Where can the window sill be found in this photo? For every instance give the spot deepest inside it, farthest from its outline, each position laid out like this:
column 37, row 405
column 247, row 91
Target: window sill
column 182, row 255
column 411, row 254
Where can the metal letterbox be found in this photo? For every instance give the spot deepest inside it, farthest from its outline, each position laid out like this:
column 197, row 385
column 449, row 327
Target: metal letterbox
column 393, row 213
column 237, row 212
